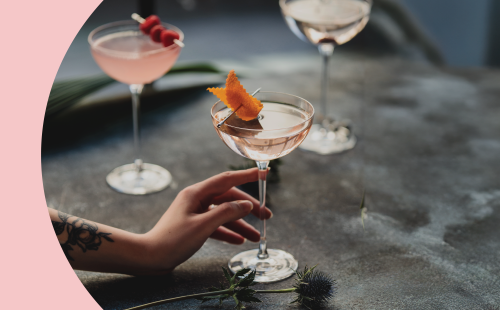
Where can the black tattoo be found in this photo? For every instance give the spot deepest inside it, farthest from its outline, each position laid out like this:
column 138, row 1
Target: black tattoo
column 80, row 233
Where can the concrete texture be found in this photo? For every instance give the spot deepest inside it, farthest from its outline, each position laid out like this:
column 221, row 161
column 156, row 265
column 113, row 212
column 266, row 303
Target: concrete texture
column 427, row 156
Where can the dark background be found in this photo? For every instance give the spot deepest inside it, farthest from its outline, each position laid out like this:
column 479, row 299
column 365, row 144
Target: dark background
column 464, row 31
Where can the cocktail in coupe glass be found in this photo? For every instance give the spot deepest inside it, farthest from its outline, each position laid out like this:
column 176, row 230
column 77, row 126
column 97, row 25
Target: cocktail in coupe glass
column 282, row 125
column 131, row 57
column 327, row 23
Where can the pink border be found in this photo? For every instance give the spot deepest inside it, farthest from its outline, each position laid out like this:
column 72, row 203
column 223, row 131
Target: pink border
column 34, row 272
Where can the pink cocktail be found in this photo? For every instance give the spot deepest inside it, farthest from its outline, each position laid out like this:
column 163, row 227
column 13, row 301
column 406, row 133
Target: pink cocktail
column 282, row 125
column 131, row 57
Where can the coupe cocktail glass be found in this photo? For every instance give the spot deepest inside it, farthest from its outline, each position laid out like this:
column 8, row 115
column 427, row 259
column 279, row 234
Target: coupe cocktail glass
column 285, row 121
column 131, row 57
column 327, row 23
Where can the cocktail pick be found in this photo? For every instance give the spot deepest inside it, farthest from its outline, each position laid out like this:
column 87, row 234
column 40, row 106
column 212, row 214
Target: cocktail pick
column 141, row 20
column 225, row 119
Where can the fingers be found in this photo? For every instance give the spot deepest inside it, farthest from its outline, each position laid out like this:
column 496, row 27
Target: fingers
column 225, row 213
column 236, row 232
column 226, row 235
column 244, row 229
column 236, row 194
column 217, row 185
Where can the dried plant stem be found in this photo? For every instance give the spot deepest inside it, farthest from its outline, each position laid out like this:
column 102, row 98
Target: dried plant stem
column 164, row 301
column 286, row 290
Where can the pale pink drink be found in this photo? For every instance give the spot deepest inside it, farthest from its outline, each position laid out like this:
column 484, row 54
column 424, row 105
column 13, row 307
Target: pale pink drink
column 283, row 129
column 280, row 127
column 131, row 57
column 317, row 21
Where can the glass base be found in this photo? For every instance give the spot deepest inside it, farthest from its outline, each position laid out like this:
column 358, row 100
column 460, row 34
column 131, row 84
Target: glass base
column 323, row 140
column 151, row 179
column 278, row 266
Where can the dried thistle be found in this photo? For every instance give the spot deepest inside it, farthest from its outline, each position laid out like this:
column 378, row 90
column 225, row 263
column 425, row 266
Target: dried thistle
column 313, row 288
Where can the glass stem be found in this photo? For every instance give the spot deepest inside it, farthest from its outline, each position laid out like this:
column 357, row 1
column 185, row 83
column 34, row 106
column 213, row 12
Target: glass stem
column 262, row 165
column 326, row 51
column 136, row 90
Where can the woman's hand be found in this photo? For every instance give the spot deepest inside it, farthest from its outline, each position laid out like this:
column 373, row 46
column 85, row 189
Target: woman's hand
column 212, row 208
column 181, row 231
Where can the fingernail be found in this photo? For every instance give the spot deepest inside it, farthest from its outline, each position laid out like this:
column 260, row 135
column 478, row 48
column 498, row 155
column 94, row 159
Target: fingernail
column 244, row 204
column 272, row 214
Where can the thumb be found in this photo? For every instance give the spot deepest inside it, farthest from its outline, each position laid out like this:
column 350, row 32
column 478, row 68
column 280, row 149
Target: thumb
column 227, row 212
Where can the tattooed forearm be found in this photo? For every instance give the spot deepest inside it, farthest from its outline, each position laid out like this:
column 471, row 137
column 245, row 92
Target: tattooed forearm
column 79, row 233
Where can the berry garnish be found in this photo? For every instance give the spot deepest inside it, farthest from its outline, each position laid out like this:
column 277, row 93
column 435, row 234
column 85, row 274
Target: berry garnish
column 149, row 23
column 155, row 33
column 168, row 37
column 152, row 26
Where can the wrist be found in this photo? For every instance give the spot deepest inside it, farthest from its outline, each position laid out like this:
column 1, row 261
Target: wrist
column 149, row 257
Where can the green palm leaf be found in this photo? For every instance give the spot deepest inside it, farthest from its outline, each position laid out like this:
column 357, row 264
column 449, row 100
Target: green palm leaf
column 65, row 94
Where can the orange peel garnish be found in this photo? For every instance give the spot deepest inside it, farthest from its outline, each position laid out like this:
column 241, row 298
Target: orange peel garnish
column 237, row 99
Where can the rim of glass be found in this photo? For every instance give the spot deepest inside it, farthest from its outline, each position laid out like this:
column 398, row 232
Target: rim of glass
column 283, row 3
column 131, row 23
column 261, row 130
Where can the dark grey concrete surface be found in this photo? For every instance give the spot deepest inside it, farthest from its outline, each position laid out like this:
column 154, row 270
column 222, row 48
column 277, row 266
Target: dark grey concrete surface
column 427, row 156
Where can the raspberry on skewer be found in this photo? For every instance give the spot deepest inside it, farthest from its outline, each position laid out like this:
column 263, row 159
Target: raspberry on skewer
column 156, row 32
column 152, row 26
column 168, row 37
column 148, row 23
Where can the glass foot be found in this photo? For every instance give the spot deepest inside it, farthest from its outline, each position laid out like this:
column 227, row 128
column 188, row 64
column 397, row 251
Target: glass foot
column 278, row 266
column 330, row 139
column 151, row 179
